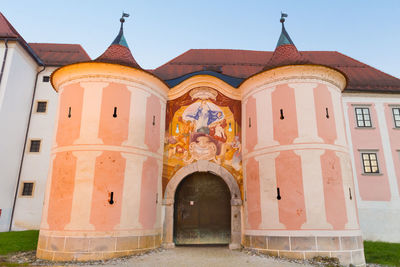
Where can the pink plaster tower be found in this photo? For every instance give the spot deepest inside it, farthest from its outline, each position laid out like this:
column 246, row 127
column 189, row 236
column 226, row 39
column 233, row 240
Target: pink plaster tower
column 104, row 187
column 299, row 192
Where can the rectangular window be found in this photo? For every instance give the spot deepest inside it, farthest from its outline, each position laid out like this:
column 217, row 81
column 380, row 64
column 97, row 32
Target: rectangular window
column 363, row 117
column 370, row 162
column 41, row 106
column 396, row 117
column 35, row 146
column 27, row 189
column 46, row 79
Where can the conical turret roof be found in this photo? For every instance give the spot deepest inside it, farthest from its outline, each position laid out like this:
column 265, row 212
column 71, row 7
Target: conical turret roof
column 118, row 52
column 285, row 52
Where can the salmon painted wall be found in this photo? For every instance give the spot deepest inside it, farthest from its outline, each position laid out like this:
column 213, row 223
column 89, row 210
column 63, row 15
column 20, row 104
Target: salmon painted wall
column 306, row 171
column 335, row 205
column 373, row 187
column 252, row 196
column 89, row 169
column 64, row 163
column 285, row 124
column 394, row 136
column 251, row 124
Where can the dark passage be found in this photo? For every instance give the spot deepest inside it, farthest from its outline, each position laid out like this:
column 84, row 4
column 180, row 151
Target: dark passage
column 202, row 212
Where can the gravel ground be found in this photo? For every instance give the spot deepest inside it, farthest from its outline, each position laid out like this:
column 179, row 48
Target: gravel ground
column 209, row 256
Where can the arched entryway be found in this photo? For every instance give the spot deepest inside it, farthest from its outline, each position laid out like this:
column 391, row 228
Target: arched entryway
column 202, row 210
column 202, row 166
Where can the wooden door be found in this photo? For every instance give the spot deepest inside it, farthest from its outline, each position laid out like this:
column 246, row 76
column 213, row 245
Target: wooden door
column 202, row 212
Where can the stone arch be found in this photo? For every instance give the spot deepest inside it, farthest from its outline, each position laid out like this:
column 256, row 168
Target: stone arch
column 169, row 198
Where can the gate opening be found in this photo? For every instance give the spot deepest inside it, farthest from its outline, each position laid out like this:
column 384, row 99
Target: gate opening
column 202, row 210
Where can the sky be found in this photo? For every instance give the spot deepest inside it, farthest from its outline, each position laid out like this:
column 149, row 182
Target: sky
column 159, row 30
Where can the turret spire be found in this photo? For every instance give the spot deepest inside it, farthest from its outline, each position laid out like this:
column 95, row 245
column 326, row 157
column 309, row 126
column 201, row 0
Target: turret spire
column 284, row 38
column 285, row 52
column 120, row 39
column 118, row 52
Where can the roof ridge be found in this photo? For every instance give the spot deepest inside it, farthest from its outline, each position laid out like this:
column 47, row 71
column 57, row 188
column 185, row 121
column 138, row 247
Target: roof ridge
column 168, row 62
column 367, row 65
column 21, row 40
column 10, row 27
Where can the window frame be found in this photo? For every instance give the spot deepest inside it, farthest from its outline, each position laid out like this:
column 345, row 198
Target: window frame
column 22, row 189
column 370, row 165
column 394, row 117
column 45, row 77
column 30, row 144
column 356, row 115
column 37, row 105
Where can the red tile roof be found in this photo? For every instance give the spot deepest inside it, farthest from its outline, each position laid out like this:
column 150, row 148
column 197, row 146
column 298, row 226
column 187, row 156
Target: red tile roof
column 7, row 31
column 244, row 63
column 286, row 54
column 59, row 54
column 118, row 54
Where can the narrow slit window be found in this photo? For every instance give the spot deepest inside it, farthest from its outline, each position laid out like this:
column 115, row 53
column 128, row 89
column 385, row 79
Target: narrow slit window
column 111, row 200
column 115, row 112
column 327, row 113
column 69, row 112
column 370, row 162
column 34, row 146
column 396, row 117
column 27, row 189
column 249, row 122
column 363, row 117
column 282, row 117
column 154, row 120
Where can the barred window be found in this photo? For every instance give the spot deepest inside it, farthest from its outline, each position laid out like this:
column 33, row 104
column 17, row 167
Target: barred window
column 370, row 162
column 363, row 117
column 41, row 106
column 27, row 190
column 396, row 117
column 35, row 146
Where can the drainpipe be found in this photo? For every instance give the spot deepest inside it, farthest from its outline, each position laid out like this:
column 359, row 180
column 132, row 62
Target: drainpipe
column 23, row 151
column 4, row 60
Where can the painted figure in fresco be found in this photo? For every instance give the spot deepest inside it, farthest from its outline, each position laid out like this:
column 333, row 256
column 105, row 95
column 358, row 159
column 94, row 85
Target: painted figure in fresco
column 179, row 144
column 203, row 148
column 204, row 116
column 234, row 155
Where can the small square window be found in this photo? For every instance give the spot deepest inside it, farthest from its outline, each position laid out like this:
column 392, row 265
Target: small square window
column 27, row 189
column 363, row 117
column 46, row 79
column 396, row 117
column 35, row 146
column 41, row 106
column 370, row 162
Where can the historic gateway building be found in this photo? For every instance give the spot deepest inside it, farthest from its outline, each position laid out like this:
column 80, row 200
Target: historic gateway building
column 262, row 150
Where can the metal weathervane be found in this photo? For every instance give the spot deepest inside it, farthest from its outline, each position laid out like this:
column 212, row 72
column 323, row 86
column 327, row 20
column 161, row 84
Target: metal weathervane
column 283, row 16
column 124, row 15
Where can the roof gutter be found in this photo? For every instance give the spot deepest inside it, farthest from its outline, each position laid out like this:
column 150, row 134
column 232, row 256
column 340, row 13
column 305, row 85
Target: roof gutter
column 4, row 60
column 24, row 149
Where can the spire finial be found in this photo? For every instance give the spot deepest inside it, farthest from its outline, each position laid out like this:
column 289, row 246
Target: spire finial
column 124, row 15
column 283, row 16
column 120, row 39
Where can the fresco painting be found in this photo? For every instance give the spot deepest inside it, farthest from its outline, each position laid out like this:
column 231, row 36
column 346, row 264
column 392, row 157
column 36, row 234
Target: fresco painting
column 199, row 127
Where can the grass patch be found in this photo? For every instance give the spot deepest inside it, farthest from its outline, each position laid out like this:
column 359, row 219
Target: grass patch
column 382, row 253
column 18, row 241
